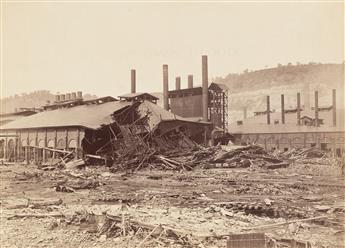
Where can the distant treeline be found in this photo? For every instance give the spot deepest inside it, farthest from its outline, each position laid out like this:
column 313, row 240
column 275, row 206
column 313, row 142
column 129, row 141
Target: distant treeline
column 29, row 100
column 313, row 73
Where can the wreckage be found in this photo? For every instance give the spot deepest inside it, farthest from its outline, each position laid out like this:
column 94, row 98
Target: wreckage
column 105, row 129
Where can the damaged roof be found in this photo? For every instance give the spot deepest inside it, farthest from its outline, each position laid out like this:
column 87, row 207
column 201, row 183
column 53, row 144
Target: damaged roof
column 157, row 115
column 93, row 116
column 88, row 116
column 132, row 96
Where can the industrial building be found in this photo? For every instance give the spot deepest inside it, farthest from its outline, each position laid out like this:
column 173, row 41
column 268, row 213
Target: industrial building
column 84, row 126
column 319, row 126
column 71, row 123
column 208, row 102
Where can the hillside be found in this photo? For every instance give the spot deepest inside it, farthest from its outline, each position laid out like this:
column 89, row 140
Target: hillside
column 249, row 89
column 29, row 100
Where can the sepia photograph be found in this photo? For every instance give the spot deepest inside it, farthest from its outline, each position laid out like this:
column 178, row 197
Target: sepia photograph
column 172, row 123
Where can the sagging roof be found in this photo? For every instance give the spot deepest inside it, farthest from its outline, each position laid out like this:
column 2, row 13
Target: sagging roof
column 93, row 116
column 137, row 96
column 19, row 113
column 88, row 116
column 101, row 100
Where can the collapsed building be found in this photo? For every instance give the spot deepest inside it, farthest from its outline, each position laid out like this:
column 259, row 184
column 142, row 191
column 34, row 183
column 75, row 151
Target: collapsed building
column 93, row 126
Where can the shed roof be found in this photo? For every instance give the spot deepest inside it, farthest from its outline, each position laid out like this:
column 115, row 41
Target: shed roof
column 89, row 116
column 101, row 100
column 132, row 96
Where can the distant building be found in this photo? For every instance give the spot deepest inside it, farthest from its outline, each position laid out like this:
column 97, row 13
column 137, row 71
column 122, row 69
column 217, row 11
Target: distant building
column 324, row 129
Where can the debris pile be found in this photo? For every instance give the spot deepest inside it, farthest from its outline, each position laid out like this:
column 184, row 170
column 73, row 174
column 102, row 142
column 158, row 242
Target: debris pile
column 303, row 153
column 247, row 156
column 309, row 155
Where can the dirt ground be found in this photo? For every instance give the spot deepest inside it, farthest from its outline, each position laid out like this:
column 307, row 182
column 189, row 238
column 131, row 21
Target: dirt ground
column 205, row 205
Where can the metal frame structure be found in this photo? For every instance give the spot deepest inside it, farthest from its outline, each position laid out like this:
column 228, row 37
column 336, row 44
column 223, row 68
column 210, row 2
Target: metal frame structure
column 218, row 105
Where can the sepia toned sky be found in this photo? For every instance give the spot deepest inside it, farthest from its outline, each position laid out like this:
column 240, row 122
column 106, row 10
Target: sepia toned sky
column 71, row 46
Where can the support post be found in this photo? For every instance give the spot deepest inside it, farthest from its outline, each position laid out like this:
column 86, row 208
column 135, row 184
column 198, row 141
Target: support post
column 334, row 107
column 316, row 108
column 298, row 108
column 268, row 110
column 165, row 87
column 282, row 108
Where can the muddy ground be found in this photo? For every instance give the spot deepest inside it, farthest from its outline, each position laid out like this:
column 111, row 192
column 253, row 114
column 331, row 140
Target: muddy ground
column 203, row 205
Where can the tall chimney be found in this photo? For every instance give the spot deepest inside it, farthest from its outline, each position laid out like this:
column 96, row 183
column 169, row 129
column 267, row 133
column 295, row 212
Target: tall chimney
column 204, row 88
column 62, row 97
column 298, row 108
column 74, row 95
column 245, row 113
column 268, row 110
column 282, row 108
column 178, row 83
column 316, row 108
column 190, row 81
column 57, row 98
column 165, row 87
column 133, row 81
column 68, row 96
column 334, row 106
column 79, row 95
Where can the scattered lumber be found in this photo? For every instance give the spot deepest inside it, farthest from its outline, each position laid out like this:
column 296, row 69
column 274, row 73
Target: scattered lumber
column 75, row 164
column 285, row 223
column 37, row 203
column 50, row 215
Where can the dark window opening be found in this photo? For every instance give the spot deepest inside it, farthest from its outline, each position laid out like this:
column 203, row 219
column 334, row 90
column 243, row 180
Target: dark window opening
column 323, row 146
column 286, row 149
column 338, row 152
column 313, row 145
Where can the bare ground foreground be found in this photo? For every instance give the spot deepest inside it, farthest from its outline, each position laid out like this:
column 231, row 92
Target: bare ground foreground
column 92, row 207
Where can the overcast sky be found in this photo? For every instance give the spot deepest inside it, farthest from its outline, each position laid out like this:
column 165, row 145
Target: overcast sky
column 92, row 46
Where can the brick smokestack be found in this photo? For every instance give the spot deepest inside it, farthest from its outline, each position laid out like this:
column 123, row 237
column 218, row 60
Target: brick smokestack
column 298, row 108
column 334, row 106
column 165, row 87
column 190, row 81
column 204, row 88
column 316, row 108
column 178, row 83
column 268, row 110
column 68, row 96
column 282, row 108
column 57, row 98
column 62, row 97
column 74, row 95
column 133, row 81
column 79, row 95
